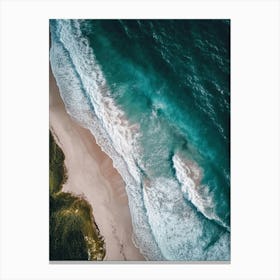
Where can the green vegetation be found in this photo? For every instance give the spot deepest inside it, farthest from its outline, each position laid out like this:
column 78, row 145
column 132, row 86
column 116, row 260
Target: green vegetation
column 73, row 232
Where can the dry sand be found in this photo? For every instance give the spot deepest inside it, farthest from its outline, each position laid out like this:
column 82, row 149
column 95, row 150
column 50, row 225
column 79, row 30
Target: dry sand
column 91, row 174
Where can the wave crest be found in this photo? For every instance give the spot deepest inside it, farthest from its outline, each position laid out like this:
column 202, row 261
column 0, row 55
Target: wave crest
column 189, row 174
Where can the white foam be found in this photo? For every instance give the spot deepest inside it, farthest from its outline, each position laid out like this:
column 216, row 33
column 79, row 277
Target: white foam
column 189, row 174
column 181, row 233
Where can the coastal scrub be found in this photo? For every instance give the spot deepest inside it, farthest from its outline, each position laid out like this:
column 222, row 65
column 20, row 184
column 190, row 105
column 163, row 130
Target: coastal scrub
column 74, row 234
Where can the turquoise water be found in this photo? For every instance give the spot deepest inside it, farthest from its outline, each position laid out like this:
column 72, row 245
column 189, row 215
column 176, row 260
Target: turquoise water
column 156, row 96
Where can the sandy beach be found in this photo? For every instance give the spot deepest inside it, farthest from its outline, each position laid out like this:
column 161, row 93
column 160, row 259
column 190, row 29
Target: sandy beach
column 91, row 174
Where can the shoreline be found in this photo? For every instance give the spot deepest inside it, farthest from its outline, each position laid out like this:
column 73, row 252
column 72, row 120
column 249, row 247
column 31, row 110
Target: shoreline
column 91, row 174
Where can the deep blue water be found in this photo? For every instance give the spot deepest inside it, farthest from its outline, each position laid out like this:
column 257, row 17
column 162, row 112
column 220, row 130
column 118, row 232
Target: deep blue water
column 156, row 96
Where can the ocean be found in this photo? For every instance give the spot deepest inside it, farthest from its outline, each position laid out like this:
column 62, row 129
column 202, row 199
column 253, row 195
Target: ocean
column 156, row 96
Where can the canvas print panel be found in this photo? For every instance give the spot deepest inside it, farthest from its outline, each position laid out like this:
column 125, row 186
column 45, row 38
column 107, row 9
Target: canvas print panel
column 140, row 140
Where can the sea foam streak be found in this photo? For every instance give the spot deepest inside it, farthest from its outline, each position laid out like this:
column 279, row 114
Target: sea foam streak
column 189, row 175
column 165, row 223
